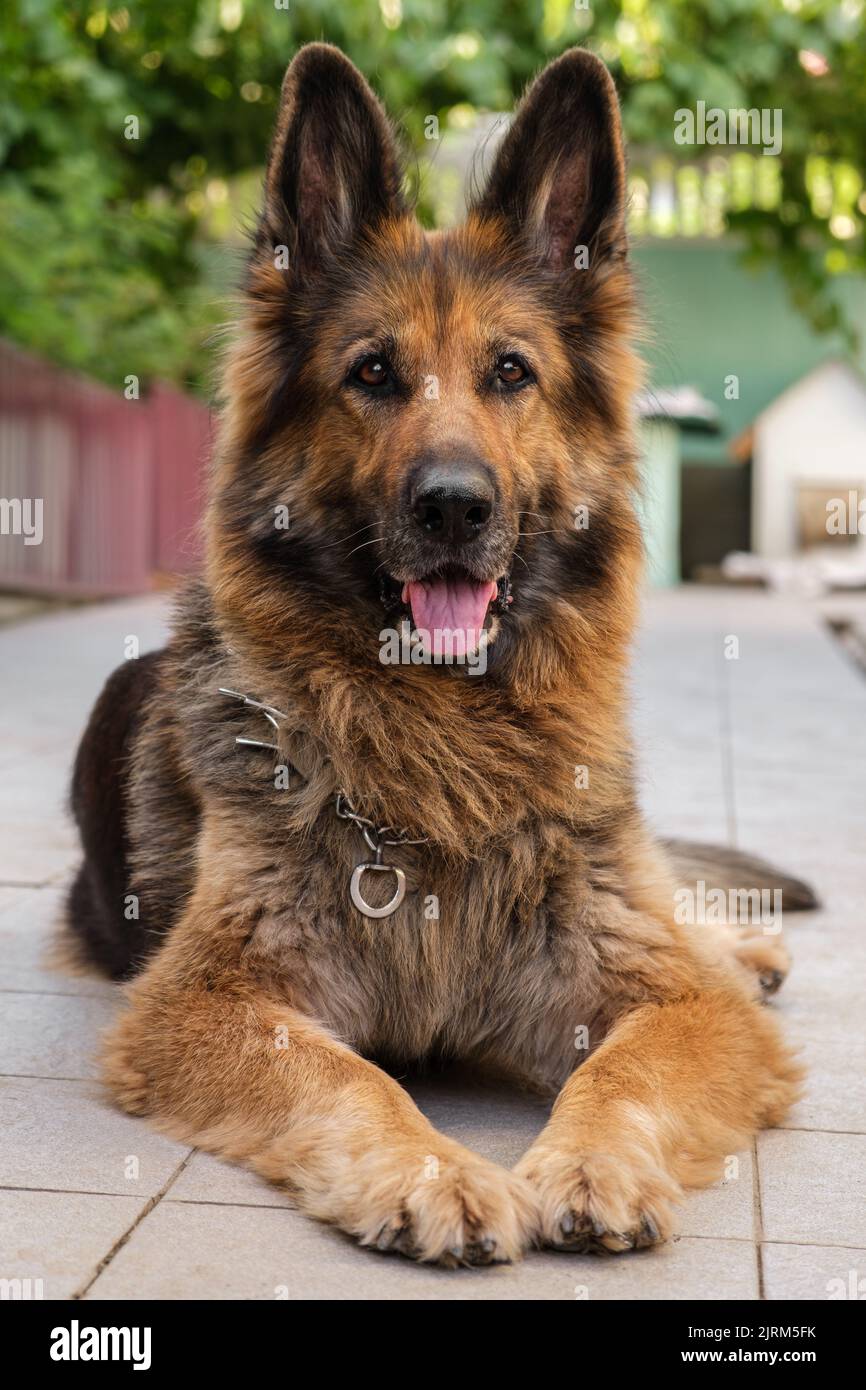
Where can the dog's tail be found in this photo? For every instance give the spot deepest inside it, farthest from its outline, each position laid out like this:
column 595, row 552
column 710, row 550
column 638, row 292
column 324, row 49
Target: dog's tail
column 727, row 869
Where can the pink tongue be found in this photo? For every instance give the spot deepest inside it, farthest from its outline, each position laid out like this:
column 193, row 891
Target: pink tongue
column 450, row 613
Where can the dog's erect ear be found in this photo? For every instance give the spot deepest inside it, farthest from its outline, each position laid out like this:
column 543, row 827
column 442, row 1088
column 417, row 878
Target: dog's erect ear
column 559, row 175
column 333, row 167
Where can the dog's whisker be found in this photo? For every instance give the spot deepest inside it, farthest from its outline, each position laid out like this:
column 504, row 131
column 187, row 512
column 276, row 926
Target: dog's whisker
column 351, row 535
column 374, row 541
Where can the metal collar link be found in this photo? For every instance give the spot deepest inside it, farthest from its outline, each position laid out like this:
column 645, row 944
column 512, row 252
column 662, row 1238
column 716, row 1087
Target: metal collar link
column 272, row 715
column 376, row 837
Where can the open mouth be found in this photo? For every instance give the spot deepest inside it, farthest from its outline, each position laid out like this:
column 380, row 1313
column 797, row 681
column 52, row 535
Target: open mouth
column 452, row 611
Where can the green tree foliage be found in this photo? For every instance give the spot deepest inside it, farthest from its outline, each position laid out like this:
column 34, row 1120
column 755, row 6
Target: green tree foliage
column 109, row 256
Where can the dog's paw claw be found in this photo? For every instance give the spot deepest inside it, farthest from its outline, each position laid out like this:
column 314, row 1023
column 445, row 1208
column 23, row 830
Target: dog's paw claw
column 771, row 981
column 648, row 1234
column 483, row 1252
column 599, row 1203
column 472, row 1213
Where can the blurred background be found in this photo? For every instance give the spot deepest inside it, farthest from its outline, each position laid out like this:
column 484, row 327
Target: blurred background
column 131, row 148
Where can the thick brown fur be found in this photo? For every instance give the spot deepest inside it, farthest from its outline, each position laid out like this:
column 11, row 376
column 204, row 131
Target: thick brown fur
column 255, row 1028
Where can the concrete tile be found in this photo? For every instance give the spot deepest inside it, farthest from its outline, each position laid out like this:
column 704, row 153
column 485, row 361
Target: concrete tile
column 60, row 1237
column 829, row 948
column 36, row 844
column 40, row 708
column 209, row 1179
column 182, row 1250
column 821, row 1010
column 42, row 717
column 498, row 1122
column 26, row 918
column 726, row 1210
column 813, row 1272
column 52, row 1034
column 684, row 820
column 834, row 1097
column 22, row 969
column 29, row 919
column 62, row 1136
column 813, row 1187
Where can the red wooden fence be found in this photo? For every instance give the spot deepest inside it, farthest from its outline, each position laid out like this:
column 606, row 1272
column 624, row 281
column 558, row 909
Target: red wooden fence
column 120, row 481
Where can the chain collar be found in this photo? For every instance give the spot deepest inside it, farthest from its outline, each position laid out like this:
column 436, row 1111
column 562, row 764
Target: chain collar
column 376, row 837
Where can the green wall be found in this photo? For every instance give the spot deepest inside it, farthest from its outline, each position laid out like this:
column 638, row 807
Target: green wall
column 710, row 317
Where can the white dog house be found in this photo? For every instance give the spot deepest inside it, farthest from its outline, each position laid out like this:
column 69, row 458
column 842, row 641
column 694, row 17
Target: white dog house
column 808, row 453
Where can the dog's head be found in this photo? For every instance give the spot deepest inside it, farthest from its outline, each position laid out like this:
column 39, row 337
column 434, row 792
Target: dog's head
column 432, row 425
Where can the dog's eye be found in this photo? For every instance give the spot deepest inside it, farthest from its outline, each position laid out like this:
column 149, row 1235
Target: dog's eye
column 512, row 370
column 372, row 372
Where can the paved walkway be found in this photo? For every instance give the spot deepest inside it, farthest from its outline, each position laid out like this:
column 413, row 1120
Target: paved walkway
column 767, row 748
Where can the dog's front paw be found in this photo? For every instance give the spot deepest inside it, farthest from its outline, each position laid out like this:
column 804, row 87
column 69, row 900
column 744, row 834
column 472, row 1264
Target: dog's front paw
column 593, row 1201
column 448, row 1207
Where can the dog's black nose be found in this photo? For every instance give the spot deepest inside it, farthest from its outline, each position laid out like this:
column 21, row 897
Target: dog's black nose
column 453, row 505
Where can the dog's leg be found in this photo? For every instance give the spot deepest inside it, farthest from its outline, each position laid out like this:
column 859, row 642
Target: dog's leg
column 765, row 957
column 219, row 1061
column 674, row 1089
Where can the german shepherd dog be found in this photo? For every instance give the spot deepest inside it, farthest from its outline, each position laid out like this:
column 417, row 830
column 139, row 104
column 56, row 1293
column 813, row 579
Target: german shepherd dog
column 412, row 422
